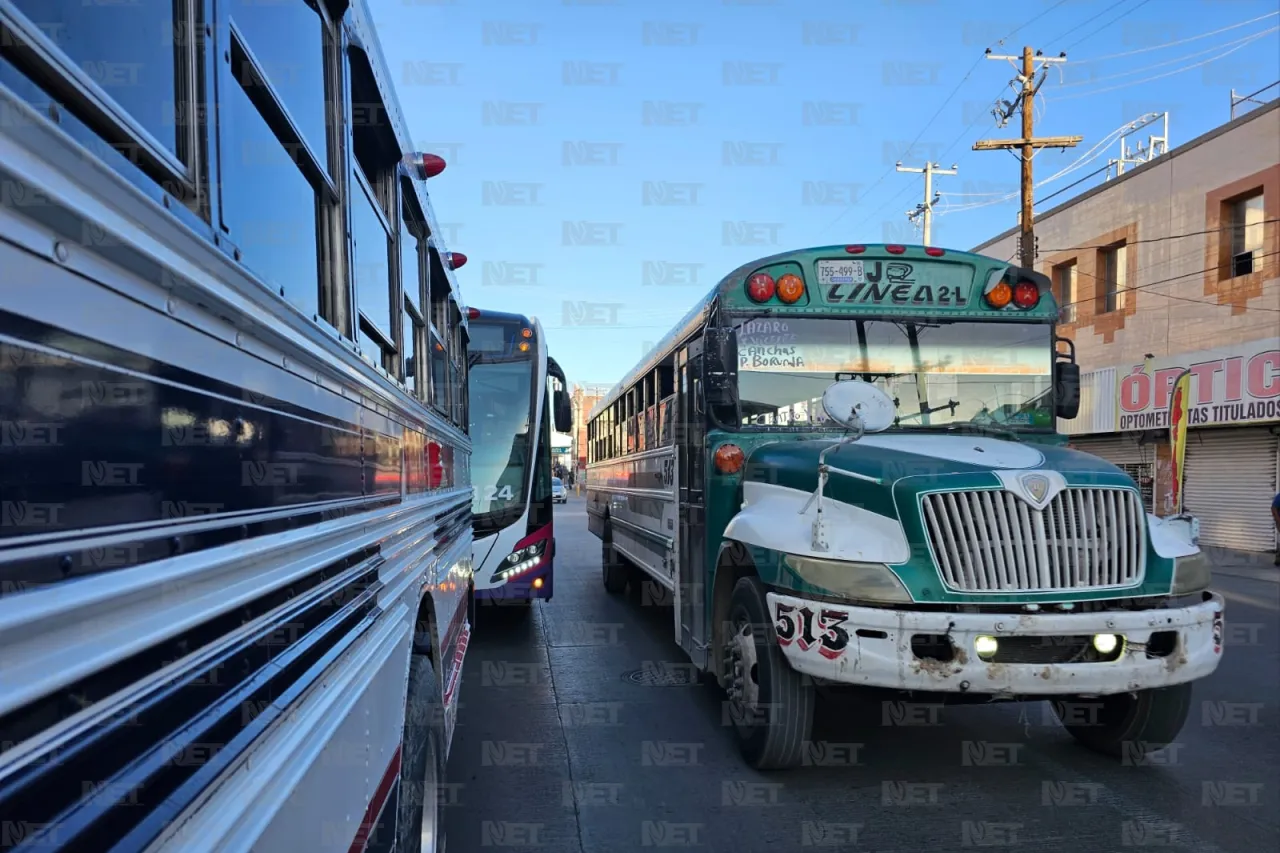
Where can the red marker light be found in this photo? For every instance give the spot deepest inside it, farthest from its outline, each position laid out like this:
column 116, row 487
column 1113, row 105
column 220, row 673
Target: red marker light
column 855, row 250
column 457, row 260
column 895, row 249
column 933, row 251
column 424, row 165
column 1026, row 294
column 760, row 287
column 473, row 313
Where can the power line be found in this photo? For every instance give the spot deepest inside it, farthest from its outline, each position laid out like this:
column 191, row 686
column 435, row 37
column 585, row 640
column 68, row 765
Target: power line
column 1161, row 76
column 1150, row 284
column 1216, row 47
column 1087, row 21
column 1156, row 239
column 1173, row 43
column 938, row 112
column 1106, row 25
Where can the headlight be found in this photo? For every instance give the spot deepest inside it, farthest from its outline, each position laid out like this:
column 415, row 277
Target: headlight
column 1191, row 573
column 861, row 581
column 520, row 561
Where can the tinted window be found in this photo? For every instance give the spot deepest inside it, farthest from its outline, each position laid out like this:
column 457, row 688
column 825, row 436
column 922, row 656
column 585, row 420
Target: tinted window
column 287, row 40
column 126, row 48
column 409, row 266
column 370, row 268
column 501, row 434
column 439, row 376
column 268, row 205
column 411, row 333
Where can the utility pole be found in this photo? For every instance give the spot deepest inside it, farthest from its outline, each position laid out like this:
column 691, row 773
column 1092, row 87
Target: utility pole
column 1025, row 103
column 925, row 210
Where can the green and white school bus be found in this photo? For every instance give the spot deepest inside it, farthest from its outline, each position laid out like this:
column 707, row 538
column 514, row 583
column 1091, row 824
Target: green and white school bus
column 959, row 549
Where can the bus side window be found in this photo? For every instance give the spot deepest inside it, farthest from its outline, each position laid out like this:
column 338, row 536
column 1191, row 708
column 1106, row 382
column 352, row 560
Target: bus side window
column 413, row 285
column 374, row 219
column 274, row 170
column 437, row 331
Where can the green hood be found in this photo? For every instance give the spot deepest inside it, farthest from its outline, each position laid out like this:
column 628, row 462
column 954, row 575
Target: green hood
column 902, row 466
column 907, row 464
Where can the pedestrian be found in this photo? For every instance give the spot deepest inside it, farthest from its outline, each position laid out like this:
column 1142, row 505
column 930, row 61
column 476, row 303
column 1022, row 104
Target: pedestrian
column 1275, row 515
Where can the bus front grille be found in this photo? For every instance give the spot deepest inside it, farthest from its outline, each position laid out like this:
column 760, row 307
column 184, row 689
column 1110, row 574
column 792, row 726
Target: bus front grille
column 992, row 541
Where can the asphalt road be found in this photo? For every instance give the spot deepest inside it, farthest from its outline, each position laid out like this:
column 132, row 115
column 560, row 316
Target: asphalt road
column 558, row 749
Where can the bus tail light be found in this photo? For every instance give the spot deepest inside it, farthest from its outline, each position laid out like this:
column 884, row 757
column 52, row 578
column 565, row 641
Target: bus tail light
column 729, row 458
column 790, row 288
column 761, row 287
column 1026, row 294
column 998, row 294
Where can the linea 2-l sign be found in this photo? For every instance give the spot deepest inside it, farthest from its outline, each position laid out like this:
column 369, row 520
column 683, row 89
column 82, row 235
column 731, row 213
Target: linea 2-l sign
column 1229, row 385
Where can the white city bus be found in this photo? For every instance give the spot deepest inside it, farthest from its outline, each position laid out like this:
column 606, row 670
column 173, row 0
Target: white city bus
column 512, row 405
column 235, row 548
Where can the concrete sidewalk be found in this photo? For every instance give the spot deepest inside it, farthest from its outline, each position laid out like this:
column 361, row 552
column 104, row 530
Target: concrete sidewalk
column 1257, row 565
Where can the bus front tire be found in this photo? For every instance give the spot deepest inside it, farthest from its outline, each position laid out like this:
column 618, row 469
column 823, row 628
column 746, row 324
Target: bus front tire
column 614, row 569
column 771, row 704
column 1146, row 721
column 418, row 813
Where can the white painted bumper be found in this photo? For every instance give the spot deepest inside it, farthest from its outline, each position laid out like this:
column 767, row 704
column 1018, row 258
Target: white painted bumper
column 889, row 661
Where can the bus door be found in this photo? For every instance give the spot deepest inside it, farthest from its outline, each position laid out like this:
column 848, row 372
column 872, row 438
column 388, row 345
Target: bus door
column 690, row 436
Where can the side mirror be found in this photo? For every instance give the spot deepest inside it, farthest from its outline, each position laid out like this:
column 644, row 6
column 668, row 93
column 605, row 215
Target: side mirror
column 720, row 367
column 1066, row 381
column 563, row 412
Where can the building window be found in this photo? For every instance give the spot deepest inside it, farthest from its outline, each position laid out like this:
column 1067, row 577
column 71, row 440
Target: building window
column 1113, row 278
column 1064, row 290
column 1245, row 222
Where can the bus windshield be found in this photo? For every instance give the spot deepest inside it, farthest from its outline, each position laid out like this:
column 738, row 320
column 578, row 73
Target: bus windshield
column 502, row 431
column 940, row 373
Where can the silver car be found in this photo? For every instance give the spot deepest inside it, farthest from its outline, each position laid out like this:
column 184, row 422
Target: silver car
column 558, row 493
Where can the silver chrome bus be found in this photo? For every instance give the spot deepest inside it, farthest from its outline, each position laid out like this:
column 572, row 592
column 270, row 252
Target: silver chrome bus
column 235, row 541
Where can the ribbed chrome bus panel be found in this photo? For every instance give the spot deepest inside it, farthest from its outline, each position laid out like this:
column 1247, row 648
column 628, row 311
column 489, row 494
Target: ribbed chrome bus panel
column 993, row 541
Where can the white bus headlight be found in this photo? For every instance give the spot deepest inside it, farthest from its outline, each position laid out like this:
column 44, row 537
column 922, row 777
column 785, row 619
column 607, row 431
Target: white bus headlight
column 1191, row 573
column 862, row 581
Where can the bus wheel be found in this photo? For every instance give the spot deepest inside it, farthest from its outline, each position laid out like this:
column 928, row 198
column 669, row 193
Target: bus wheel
column 1149, row 720
column 418, row 815
column 771, row 704
column 615, row 570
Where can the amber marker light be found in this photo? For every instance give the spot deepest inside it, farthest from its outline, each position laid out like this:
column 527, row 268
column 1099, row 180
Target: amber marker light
column 999, row 295
column 729, row 458
column 790, row 288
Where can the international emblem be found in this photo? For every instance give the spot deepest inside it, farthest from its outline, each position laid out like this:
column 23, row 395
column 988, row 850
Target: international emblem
column 1037, row 485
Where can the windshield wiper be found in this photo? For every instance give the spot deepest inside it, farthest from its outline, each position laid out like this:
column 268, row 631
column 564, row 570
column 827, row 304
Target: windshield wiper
column 967, row 426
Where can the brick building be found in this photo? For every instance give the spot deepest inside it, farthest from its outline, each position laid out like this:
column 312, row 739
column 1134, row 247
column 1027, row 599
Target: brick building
column 584, row 398
column 1173, row 266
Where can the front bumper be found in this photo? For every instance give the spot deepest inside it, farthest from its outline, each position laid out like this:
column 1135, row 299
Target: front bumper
column 879, row 653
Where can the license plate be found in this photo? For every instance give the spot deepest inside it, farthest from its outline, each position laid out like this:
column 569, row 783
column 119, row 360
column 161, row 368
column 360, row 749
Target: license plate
column 841, row 272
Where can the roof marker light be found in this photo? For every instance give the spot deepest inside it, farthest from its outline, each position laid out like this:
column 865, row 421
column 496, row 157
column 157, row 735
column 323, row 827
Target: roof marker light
column 855, row 250
column 456, row 260
column 790, row 288
column 895, row 249
column 424, row 165
column 761, row 287
column 934, row 251
column 1026, row 294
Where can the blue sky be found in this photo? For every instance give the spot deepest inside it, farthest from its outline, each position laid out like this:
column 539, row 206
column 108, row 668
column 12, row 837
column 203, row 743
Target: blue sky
column 597, row 148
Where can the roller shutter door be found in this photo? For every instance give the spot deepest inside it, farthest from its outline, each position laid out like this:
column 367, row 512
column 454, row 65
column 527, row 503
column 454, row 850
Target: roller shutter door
column 1136, row 460
column 1230, row 481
